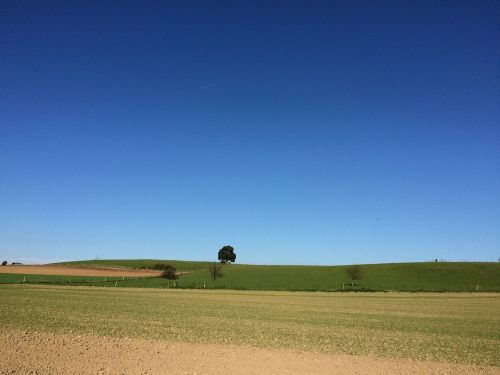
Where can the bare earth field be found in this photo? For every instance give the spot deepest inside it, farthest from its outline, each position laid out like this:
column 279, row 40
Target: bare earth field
column 96, row 330
column 77, row 271
column 25, row 352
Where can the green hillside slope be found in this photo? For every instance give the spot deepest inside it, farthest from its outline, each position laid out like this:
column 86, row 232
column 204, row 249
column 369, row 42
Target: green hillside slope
column 442, row 276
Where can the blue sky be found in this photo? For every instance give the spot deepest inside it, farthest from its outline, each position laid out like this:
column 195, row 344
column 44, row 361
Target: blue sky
column 298, row 132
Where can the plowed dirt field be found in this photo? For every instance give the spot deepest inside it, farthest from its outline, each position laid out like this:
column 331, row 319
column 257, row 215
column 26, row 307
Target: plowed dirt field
column 26, row 352
column 77, row 271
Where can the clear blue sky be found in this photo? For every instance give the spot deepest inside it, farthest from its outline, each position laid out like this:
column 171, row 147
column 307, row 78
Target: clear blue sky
column 298, row 132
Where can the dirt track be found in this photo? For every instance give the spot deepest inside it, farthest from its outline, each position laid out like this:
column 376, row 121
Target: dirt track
column 77, row 271
column 23, row 352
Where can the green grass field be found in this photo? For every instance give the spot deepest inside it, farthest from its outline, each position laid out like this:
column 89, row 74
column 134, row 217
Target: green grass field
column 460, row 328
column 442, row 276
column 9, row 278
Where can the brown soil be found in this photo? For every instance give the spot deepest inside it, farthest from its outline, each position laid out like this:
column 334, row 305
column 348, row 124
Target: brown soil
column 77, row 271
column 23, row 352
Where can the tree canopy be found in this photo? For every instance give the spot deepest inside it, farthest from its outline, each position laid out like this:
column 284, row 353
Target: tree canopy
column 227, row 255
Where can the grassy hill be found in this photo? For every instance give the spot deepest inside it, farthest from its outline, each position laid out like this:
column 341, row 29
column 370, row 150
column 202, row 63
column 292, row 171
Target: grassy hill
column 442, row 276
column 181, row 265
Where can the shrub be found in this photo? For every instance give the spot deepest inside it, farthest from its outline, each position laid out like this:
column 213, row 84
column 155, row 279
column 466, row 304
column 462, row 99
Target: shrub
column 160, row 266
column 169, row 272
column 4, row 263
column 354, row 273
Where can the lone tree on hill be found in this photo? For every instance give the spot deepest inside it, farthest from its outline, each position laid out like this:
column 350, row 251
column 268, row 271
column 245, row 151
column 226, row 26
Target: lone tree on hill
column 215, row 271
column 4, row 263
column 227, row 255
column 354, row 273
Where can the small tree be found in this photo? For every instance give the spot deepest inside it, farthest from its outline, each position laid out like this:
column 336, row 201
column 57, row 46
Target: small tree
column 4, row 263
column 226, row 254
column 170, row 273
column 215, row 271
column 354, row 273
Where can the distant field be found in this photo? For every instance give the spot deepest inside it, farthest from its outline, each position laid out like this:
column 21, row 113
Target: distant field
column 8, row 278
column 182, row 265
column 457, row 328
column 77, row 271
column 442, row 276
